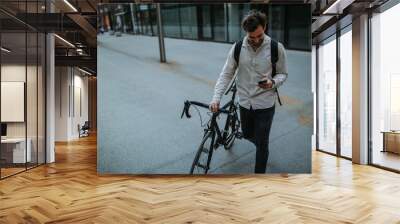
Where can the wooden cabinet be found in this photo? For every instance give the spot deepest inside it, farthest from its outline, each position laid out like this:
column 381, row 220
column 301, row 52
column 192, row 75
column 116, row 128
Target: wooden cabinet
column 391, row 141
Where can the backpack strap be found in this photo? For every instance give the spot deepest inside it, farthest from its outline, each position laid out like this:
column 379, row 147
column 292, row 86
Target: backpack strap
column 274, row 56
column 236, row 53
column 274, row 60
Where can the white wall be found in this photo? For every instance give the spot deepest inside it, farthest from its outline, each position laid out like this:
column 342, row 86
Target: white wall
column 70, row 83
column 12, row 73
column 79, row 117
column 62, row 81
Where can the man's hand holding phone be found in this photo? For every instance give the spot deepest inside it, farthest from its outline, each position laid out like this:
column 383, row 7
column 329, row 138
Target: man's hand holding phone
column 266, row 84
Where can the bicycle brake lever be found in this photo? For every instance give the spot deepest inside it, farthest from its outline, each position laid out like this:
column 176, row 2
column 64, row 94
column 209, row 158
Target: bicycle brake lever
column 187, row 105
column 186, row 109
column 183, row 111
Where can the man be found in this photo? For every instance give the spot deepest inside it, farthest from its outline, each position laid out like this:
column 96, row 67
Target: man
column 256, row 100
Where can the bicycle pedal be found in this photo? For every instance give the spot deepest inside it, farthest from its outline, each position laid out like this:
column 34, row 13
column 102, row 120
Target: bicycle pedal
column 239, row 135
column 201, row 166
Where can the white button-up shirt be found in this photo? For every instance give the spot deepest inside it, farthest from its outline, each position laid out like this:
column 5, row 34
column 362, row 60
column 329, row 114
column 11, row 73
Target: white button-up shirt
column 254, row 66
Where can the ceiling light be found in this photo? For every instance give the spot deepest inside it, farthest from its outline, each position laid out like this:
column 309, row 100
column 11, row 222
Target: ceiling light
column 326, row 11
column 64, row 40
column 70, row 5
column 5, row 49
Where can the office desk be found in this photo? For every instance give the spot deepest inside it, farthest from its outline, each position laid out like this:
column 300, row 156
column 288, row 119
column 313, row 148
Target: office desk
column 15, row 148
column 391, row 141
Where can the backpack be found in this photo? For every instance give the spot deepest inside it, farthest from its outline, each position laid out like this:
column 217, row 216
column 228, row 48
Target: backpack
column 274, row 59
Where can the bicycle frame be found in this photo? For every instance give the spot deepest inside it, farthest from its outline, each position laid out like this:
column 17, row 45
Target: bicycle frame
column 217, row 135
column 212, row 124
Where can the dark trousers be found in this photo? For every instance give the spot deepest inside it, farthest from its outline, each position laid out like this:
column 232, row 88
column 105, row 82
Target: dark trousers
column 256, row 126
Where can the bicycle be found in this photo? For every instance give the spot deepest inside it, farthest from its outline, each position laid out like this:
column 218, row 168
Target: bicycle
column 213, row 137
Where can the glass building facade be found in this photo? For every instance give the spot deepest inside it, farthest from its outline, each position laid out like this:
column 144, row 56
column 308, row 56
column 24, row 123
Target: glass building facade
column 327, row 80
column 335, row 94
column 209, row 22
column 385, row 89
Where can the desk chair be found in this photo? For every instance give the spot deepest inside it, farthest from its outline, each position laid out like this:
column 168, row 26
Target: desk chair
column 84, row 130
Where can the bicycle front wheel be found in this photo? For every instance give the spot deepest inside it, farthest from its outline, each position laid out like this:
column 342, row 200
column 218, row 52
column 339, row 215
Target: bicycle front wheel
column 202, row 160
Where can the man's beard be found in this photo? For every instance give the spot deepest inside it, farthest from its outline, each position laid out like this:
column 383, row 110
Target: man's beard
column 256, row 45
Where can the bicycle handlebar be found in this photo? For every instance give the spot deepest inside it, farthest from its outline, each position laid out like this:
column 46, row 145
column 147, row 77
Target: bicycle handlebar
column 188, row 103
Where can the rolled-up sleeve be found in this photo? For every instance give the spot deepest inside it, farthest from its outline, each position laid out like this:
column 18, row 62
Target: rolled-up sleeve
column 281, row 67
column 226, row 75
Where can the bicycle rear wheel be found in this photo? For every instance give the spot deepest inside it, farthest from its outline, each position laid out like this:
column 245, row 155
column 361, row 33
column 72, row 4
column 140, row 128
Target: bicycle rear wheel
column 202, row 160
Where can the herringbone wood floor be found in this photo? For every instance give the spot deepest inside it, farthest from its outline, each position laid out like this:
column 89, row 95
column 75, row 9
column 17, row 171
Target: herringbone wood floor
column 70, row 191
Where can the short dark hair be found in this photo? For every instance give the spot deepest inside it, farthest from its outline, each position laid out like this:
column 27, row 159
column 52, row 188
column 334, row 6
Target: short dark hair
column 254, row 19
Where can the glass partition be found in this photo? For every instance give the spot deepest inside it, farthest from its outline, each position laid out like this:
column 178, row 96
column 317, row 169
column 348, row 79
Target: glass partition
column 32, row 95
column 327, row 95
column 346, row 93
column 22, row 78
column 14, row 150
column 385, row 89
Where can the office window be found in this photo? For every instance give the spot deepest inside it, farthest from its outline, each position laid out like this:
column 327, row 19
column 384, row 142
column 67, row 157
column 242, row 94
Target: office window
column 385, row 89
column 327, row 95
column 346, row 92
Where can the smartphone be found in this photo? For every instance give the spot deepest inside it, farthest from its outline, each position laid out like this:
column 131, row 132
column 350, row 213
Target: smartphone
column 262, row 82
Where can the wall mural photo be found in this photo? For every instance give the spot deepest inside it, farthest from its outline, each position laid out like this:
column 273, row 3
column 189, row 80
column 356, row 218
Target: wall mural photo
column 225, row 89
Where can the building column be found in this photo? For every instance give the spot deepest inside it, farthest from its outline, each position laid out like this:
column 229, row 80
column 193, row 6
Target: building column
column 360, row 90
column 50, row 98
column 314, row 93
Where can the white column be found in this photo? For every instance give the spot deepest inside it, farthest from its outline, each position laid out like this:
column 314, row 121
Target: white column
column 50, row 100
column 314, row 93
column 62, row 103
column 50, row 92
column 360, row 90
